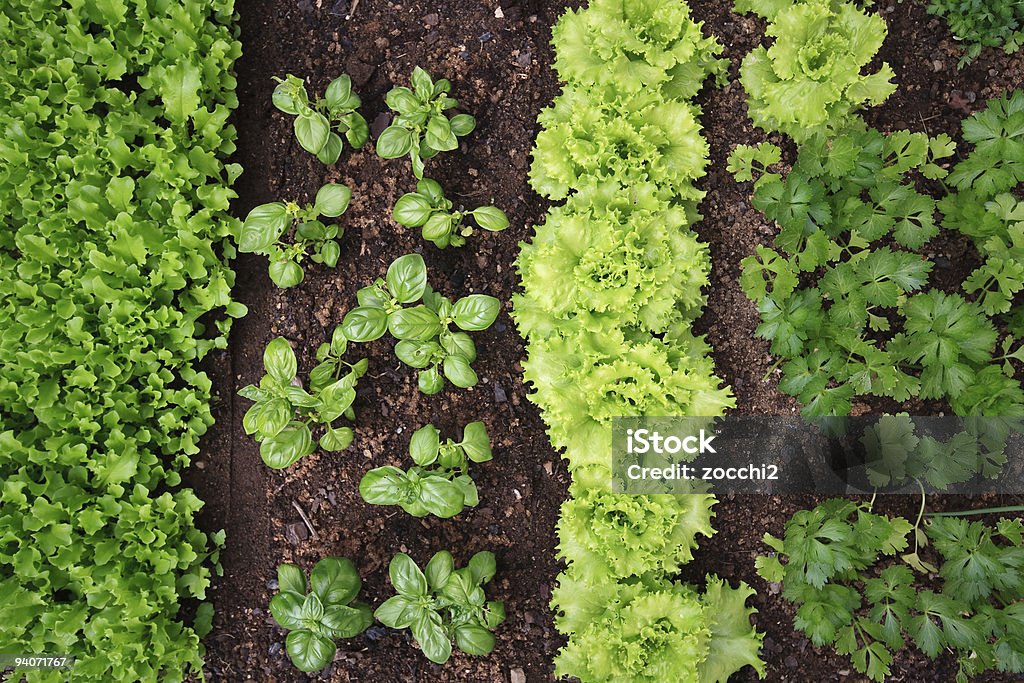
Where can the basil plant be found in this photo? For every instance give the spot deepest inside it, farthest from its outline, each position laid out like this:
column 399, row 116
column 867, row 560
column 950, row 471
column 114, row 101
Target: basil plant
column 317, row 617
column 320, row 125
column 425, row 338
column 439, row 484
column 429, row 209
column 443, row 603
column 421, row 128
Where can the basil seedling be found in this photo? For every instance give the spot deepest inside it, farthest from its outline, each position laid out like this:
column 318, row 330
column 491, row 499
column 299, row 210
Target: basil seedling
column 283, row 411
column 317, row 618
column 440, row 484
column 314, row 122
column 443, row 603
column 428, row 208
column 266, row 225
column 421, row 128
column 423, row 331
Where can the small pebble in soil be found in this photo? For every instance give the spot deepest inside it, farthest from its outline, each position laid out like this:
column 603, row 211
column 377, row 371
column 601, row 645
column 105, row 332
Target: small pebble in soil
column 499, row 393
column 464, row 55
column 273, row 585
column 431, row 37
column 500, row 327
column 517, row 675
column 340, row 8
column 524, row 59
column 430, row 20
column 376, row 632
column 296, row 532
column 485, row 36
column 274, row 649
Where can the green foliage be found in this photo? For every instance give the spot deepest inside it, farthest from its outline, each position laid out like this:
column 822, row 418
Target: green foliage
column 830, row 562
column 421, row 127
column 114, row 283
column 314, row 121
column 428, row 208
column 425, row 338
column 844, row 296
column 439, row 484
column 982, row 23
column 267, row 224
column 316, row 618
column 810, row 80
column 283, row 412
column 442, row 603
column 611, row 285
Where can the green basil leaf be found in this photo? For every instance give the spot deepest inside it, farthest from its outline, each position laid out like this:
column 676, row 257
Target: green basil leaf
column 286, row 274
column 311, row 230
column 438, row 227
column 462, row 124
column 459, row 344
column 335, row 399
column 291, row 578
column 358, row 130
column 274, row 417
column 312, row 607
column 359, row 369
column 331, row 151
column 335, row 580
column 474, row 640
column 424, row 445
column 312, row 131
column 431, row 189
column 412, row 209
column 286, row 608
column 279, row 360
column 339, row 342
column 418, row 323
column 458, row 371
column 494, row 614
column 396, row 612
column 406, row 577
column 338, row 95
column 383, row 486
column 476, row 443
column 490, row 218
column 416, row 157
column 394, row 142
column 430, row 381
column 332, row 200
column 253, row 393
column 475, row 312
column 416, row 354
column 371, row 297
column 470, row 495
column 344, row 621
column 330, row 252
column 290, row 96
column 430, row 635
column 263, row 227
column 364, row 324
column 407, row 278
column 439, row 134
column 298, row 396
column 337, row 439
column 287, row 447
column 308, row 651
column 441, row 497
column 483, row 567
column 402, row 100
column 439, row 568
column 423, row 84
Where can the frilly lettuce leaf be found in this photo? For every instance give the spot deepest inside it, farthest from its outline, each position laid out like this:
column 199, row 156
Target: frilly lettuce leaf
column 735, row 643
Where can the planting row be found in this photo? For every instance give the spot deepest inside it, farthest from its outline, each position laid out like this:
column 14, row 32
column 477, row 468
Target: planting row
column 113, row 258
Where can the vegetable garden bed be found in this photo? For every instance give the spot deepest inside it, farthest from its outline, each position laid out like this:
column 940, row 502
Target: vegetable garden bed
column 499, row 59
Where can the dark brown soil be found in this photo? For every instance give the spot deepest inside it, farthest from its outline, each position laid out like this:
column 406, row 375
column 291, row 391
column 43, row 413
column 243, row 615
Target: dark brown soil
column 498, row 58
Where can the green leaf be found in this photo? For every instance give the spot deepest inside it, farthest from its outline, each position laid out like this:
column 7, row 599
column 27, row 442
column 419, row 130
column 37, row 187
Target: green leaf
column 364, row 324
column 286, row 608
column 438, row 569
column 345, row 621
column 394, row 142
column 439, row 134
column 476, row 312
column 432, row 638
column 459, row 372
column 430, row 381
column 423, row 84
column 417, row 354
column 179, row 89
column 308, row 651
column 335, row 580
column 424, row 445
column 412, row 209
column 440, row 496
column 459, row 344
column 396, row 612
column 331, row 151
column 407, row 278
column 263, row 227
column 474, row 640
column 337, row 439
column 332, row 200
column 406, row 577
column 290, row 95
column 339, row 95
column 383, row 486
column 286, row 274
column 462, row 124
column 482, row 566
column 491, row 218
column 287, row 447
column 330, row 252
column 279, row 361
column 291, row 578
column 312, row 131
column 418, row 323
column 438, row 228
column 476, row 443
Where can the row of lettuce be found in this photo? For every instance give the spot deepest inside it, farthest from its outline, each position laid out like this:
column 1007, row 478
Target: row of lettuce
column 113, row 258
column 611, row 285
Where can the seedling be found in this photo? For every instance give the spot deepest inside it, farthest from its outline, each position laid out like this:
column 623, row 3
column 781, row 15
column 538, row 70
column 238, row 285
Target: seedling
column 443, row 603
column 266, row 225
column 283, row 412
column 425, row 338
column 428, row 208
column 315, row 619
column 421, row 128
column 443, row 490
column 314, row 122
